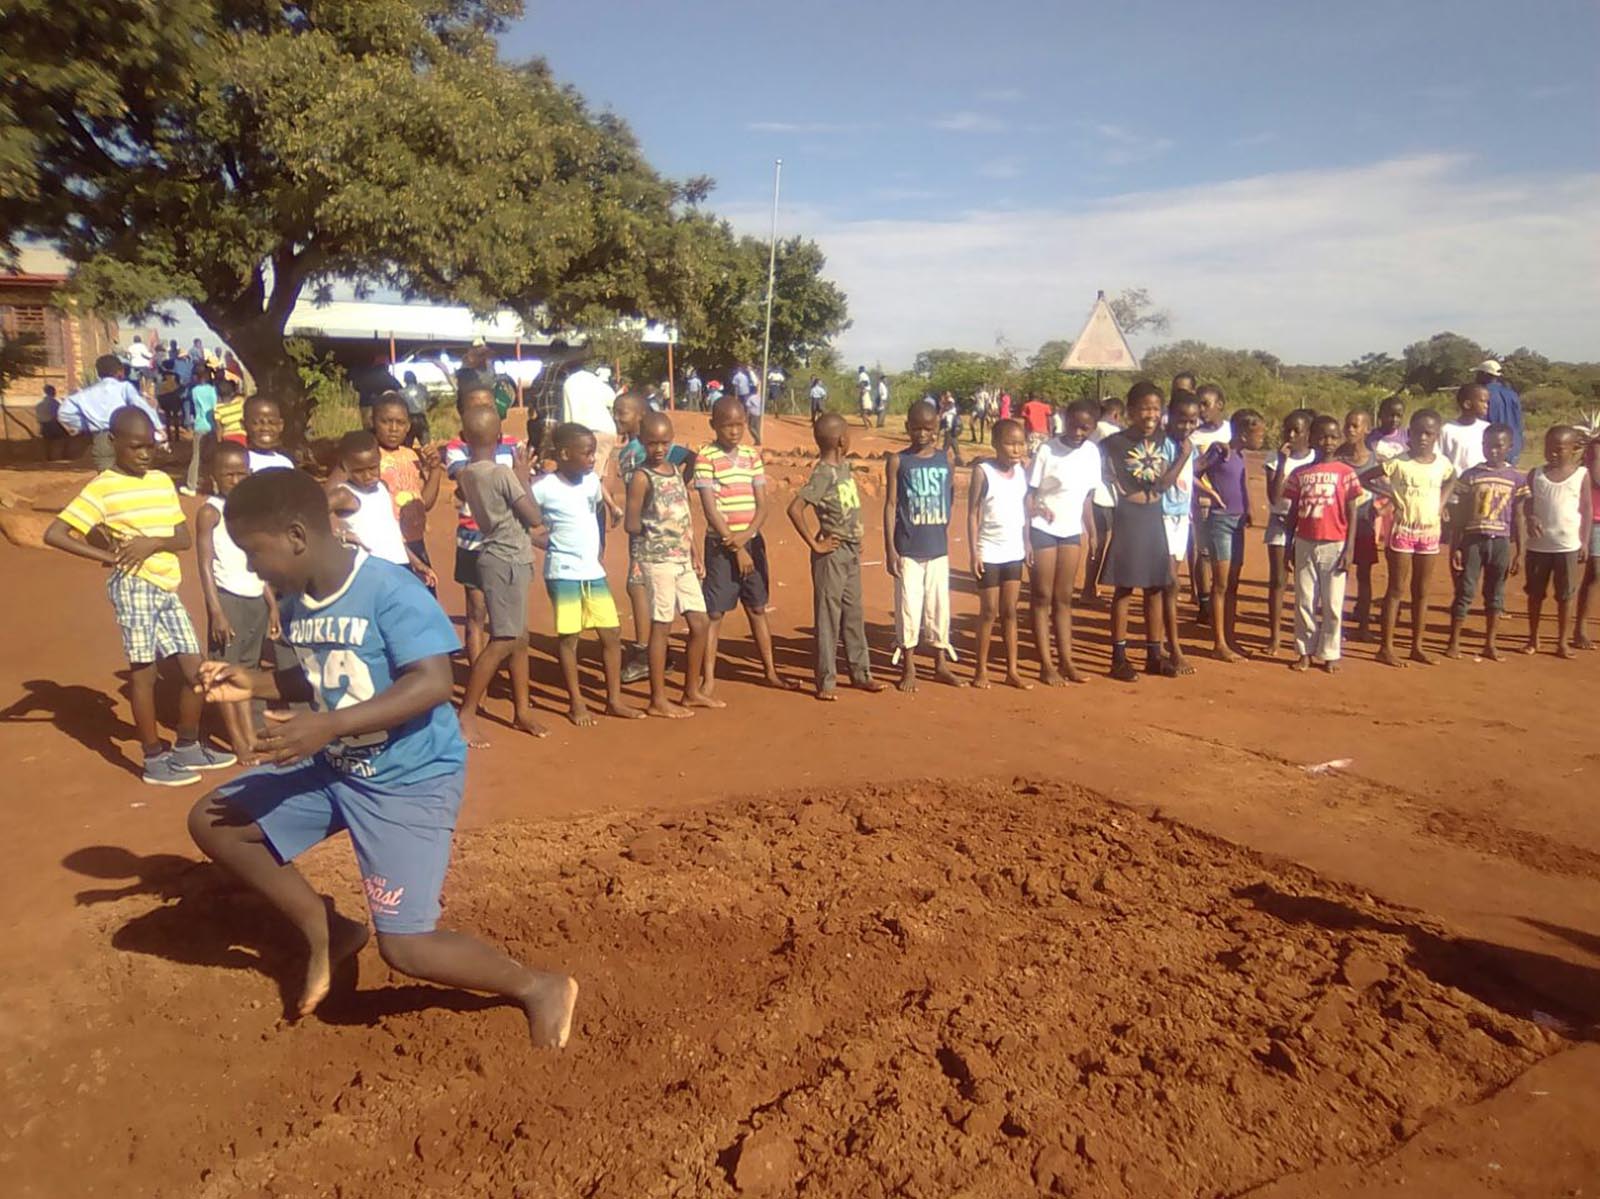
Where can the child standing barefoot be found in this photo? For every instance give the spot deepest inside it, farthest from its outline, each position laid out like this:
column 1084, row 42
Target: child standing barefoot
column 918, row 496
column 1177, row 514
column 241, row 613
column 1580, row 617
column 1064, row 488
column 1294, row 451
column 1322, row 508
column 411, row 476
column 380, row 756
column 1420, row 483
column 1221, row 472
column 662, row 546
column 1487, row 539
column 835, row 559
column 997, row 530
column 1560, row 526
column 1111, row 418
column 1357, row 451
column 1138, row 468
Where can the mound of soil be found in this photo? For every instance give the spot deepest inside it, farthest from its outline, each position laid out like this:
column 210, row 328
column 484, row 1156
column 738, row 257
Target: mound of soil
column 920, row 990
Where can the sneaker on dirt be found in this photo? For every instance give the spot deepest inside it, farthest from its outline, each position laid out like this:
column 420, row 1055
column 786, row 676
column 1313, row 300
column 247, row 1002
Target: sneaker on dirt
column 163, row 770
column 199, row 756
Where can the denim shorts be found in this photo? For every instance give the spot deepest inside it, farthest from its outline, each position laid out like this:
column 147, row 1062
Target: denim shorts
column 401, row 832
column 1222, row 537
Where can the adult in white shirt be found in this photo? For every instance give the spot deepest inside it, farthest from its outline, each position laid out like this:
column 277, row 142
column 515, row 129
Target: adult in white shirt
column 1461, row 440
column 587, row 398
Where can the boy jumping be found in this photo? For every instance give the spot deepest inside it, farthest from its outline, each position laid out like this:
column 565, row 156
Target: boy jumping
column 380, row 756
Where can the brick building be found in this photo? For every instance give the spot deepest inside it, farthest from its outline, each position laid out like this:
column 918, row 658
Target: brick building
column 66, row 340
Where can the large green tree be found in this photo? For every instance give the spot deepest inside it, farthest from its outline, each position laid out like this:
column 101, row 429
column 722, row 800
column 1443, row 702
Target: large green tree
column 238, row 153
column 1444, row 360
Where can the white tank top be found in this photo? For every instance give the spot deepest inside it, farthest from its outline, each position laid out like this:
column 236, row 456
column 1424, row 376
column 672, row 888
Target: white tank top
column 1557, row 509
column 228, row 565
column 374, row 524
column 1003, row 519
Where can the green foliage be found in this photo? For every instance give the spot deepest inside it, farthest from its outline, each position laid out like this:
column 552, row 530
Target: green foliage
column 323, row 379
column 270, row 148
column 1445, row 360
column 1137, row 313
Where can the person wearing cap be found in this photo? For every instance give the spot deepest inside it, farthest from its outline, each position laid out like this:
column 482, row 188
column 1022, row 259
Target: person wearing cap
column 1505, row 405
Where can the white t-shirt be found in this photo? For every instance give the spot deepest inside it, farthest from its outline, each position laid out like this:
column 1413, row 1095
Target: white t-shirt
column 137, row 355
column 587, row 399
column 270, row 460
column 374, row 524
column 569, row 513
column 1463, row 444
column 229, row 567
column 1203, row 439
column 1061, row 478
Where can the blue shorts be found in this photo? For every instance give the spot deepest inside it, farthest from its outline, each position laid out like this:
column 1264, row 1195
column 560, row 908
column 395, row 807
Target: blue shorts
column 401, row 833
column 1222, row 537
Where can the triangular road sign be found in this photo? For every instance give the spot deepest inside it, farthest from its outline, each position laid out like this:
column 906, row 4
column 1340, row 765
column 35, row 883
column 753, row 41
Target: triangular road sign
column 1101, row 346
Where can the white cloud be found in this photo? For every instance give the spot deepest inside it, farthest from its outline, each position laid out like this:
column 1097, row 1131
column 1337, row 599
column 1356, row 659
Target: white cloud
column 1123, row 147
column 1315, row 266
column 969, row 122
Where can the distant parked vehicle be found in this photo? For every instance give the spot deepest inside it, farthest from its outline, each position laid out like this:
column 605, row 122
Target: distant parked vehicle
column 435, row 368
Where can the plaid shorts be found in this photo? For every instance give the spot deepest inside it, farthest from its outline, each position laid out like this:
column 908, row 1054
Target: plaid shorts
column 153, row 621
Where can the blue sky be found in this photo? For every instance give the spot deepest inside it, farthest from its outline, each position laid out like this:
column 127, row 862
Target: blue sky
column 1318, row 180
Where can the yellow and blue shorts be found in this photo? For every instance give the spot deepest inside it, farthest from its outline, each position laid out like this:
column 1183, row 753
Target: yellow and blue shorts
column 581, row 604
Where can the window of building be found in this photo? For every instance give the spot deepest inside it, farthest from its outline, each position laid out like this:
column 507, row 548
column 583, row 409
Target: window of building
column 39, row 325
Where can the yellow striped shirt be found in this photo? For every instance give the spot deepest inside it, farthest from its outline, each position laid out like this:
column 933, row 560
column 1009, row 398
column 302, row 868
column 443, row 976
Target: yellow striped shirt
column 732, row 479
column 131, row 506
column 229, row 418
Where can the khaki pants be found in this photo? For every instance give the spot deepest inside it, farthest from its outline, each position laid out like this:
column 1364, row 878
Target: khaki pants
column 922, row 604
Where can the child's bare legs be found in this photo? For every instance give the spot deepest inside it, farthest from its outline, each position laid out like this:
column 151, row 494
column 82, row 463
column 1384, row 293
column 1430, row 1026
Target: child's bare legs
column 1363, row 609
column 1399, row 583
column 660, row 705
column 1010, row 594
column 611, row 657
column 240, row 723
column 1580, row 618
column 694, row 693
column 1421, row 571
column 1169, row 610
column 452, row 959
column 761, row 632
column 708, row 681
column 988, row 613
column 1275, row 572
column 477, row 623
column 521, row 693
column 485, row 665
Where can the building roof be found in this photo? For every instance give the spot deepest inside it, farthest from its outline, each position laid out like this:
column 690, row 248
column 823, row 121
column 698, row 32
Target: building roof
column 366, row 320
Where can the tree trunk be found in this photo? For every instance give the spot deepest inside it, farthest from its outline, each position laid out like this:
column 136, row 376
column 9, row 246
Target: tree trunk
column 258, row 341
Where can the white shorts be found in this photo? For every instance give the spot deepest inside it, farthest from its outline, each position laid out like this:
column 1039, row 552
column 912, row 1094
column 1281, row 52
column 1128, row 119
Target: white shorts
column 672, row 589
column 1277, row 529
column 1177, row 535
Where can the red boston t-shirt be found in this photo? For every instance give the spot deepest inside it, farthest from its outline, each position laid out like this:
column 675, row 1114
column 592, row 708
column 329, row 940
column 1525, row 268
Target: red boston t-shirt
column 1319, row 497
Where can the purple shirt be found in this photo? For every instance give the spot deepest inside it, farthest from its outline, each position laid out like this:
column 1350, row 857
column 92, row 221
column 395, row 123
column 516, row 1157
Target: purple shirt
column 1492, row 495
column 1224, row 468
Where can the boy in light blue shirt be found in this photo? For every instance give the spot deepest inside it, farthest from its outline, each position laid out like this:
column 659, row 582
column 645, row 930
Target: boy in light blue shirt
column 380, row 756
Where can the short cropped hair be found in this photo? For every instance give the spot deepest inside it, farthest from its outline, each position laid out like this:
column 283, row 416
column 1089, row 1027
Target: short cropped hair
column 1084, row 406
column 1500, row 427
column 357, row 441
column 1248, row 417
column 272, row 500
column 1143, row 390
column 567, row 434
column 127, row 415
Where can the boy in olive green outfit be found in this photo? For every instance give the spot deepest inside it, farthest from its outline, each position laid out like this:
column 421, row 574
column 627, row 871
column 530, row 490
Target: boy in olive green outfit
column 835, row 558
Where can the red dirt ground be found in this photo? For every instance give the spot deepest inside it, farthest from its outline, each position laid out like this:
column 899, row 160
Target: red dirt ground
column 1124, row 945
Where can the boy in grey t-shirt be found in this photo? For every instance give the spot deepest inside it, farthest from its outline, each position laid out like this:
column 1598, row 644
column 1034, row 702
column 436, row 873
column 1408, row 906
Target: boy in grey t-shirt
column 497, row 496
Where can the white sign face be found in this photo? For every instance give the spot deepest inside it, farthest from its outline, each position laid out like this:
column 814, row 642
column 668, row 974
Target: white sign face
column 1101, row 346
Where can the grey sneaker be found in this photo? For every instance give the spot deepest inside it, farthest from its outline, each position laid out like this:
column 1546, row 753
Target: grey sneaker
column 164, row 770
column 635, row 664
column 197, row 755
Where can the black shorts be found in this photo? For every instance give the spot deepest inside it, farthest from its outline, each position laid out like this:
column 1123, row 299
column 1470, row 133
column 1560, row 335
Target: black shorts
column 466, row 572
column 995, row 573
column 1563, row 569
column 1041, row 540
column 725, row 587
column 171, row 407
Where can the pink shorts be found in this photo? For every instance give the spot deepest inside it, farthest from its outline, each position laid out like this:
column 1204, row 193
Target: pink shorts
column 1414, row 539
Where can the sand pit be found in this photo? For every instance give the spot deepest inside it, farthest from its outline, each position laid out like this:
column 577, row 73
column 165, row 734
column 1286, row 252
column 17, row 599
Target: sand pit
column 925, row 990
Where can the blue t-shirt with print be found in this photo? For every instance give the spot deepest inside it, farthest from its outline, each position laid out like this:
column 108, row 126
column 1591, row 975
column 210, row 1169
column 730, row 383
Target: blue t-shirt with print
column 353, row 645
column 1178, row 499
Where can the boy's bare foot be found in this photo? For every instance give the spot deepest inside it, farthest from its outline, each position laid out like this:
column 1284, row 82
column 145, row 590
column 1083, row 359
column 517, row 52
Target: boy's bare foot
column 778, row 682
column 580, row 715
column 980, row 680
column 1223, row 653
column 1180, row 666
column 345, row 939
column 1582, row 641
column 624, row 712
column 1016, row 680
column 1492, row 652
column 549, row 1003
column 1420, row 655
column 1073, row 674
column 472, row 732
column 829, row 696
column 668, row 710
column 526, row 722
column 1302, row 663
column 1331, row 667
column 1453, row 650
column 1051, row 677
column 701, row 699
column 1532, row 647
column 870, row 686
column 1563, row 650
column 908, row 678
column 1386, row 657
column 1272, row 648
column 943, row 674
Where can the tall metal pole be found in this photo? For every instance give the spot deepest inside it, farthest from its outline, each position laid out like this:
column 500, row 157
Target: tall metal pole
column 772, row 269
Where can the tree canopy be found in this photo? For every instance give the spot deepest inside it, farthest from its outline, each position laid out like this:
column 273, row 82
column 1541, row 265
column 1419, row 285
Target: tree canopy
column 235, row 153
